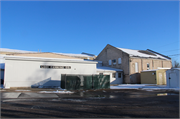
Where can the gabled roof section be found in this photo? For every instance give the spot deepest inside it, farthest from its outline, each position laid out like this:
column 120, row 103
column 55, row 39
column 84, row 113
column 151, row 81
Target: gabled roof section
column 158, row 53
column 144, row 54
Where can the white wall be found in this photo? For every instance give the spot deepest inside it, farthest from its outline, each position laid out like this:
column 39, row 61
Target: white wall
column 172, row 78
column 23, row 73
column 116, row 80
column 113, row 80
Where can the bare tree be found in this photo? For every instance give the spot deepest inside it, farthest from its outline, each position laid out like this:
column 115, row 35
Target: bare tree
column 175, row 64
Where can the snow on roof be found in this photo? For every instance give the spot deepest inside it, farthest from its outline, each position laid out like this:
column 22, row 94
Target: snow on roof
column 138, row 53
column 75, row 55
column 155, row 69
column 13, row 50
column 23, row 51
column 47, row 59
column 102, row 68
column 149, row 70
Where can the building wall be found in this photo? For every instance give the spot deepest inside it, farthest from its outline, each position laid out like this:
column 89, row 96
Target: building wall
column 142, row 65
column 173, row 77
column 110, row 53
column 24, row 73
column 113, row 80
column 148, row 77
column 128, row 63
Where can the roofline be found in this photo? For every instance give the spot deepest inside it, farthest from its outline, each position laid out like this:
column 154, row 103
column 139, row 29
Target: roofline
column 143, row 57
column 48, row 59
column 159, row 54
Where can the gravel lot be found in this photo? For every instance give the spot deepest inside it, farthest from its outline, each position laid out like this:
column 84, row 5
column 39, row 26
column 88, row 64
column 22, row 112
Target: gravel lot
column 117, row 103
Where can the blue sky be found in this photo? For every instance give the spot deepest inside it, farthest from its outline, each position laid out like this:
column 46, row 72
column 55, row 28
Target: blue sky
column 88, row 26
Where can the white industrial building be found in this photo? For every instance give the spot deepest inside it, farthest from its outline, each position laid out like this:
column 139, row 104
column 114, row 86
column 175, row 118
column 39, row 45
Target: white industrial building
column 35, row 69
column 35, row 72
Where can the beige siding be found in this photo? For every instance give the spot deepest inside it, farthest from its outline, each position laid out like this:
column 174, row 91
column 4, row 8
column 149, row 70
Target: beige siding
column 167, row 64
column 46, row 55
column 157, row 63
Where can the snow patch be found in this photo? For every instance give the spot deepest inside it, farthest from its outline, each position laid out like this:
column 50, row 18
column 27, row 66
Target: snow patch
column 22, row 90
column 63, row 92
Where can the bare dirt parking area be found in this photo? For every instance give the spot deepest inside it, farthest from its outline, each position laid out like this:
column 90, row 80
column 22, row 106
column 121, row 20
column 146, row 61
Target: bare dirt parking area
column 109, row 103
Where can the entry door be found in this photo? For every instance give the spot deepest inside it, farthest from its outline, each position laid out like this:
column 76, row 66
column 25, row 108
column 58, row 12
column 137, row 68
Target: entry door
column 173, row 80
column 160, row 79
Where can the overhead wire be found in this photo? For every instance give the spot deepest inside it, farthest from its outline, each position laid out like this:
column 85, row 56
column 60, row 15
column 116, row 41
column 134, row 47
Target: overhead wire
column 170, row 50
column 174, row 55
column 166, row 44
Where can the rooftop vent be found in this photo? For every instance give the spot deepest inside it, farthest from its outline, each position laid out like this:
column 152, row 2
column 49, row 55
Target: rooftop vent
column 146, row 52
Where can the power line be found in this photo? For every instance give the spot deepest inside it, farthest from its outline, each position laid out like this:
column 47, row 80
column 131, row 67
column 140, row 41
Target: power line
column 174, row 55
column 166, row 44
column 170, row 50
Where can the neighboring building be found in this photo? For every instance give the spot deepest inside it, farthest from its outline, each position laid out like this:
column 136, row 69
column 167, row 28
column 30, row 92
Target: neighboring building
column 42, row 54
column 156, row 76
column 173, row 77
column 132, row 62
column 5, row 51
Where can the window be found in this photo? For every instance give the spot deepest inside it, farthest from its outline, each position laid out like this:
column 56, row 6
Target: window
column 109, row 62
column 114, row 75
column 119, row 75
column 148, row 67
column 114, row 61
column 119, row 60
column 136, row 67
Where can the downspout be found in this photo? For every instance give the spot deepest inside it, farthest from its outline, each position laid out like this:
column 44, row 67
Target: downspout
column 129, row 68
column 141, row 65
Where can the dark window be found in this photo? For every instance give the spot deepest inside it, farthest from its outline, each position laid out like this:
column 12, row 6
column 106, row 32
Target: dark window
column 119, row 75
column 148, row 67
column 100, row 73
column 114, row 75
column 114, row 61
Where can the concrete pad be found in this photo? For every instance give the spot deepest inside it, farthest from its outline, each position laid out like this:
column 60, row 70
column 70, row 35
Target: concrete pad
column 9, row 95
column 37, row 95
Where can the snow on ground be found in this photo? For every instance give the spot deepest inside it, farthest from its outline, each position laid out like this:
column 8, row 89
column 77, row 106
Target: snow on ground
column 63, row 92
column 148, row 87
column 22, row 90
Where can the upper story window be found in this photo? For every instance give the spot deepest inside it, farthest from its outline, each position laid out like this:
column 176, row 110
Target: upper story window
column 119, row 60
column 109, row 62
column 148, row 66
column 114, row 61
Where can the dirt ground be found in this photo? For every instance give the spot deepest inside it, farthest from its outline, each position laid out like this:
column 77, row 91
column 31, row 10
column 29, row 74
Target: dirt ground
column 96, row 104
